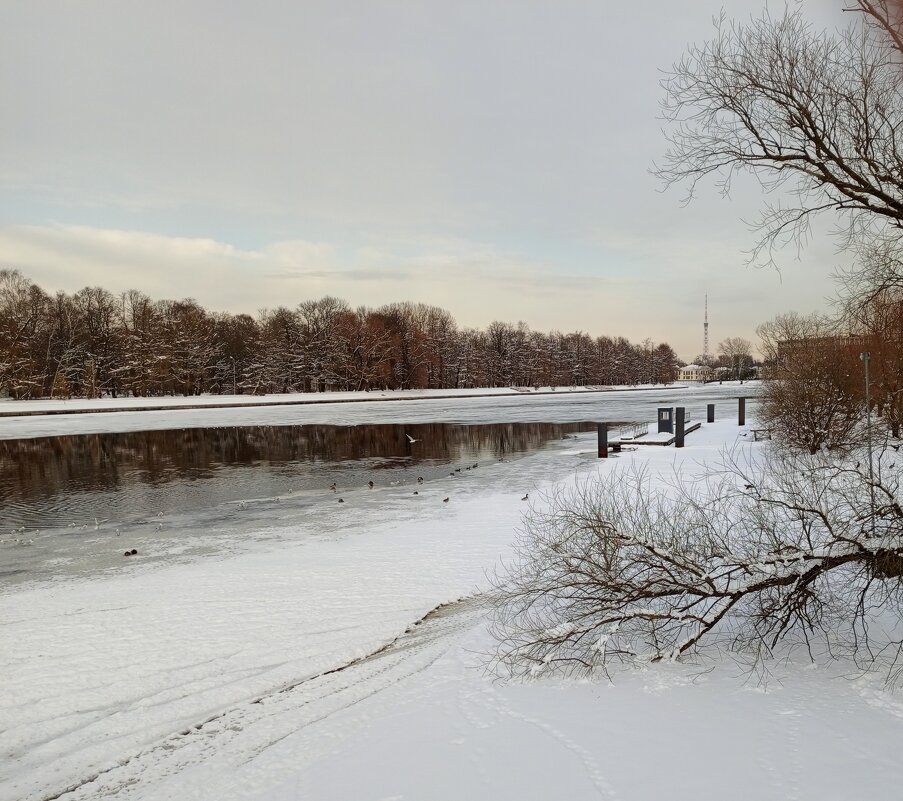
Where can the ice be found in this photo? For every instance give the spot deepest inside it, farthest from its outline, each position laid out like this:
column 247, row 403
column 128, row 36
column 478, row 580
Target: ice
column 622, row 405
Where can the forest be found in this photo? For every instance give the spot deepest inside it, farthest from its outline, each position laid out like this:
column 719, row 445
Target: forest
column 96, row 343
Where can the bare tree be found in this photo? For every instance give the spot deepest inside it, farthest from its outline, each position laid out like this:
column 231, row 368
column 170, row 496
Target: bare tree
column 776, row 553
column 815, row 114
column 737, row 354
column 812, row 394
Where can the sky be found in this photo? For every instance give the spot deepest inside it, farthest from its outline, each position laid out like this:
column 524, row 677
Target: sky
column 490, row 158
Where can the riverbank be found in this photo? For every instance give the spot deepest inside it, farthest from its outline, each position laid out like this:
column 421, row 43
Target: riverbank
column 265, row 673
column 53, row 406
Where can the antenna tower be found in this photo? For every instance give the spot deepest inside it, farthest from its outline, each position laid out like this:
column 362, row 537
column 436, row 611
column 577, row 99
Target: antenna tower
column 705, row 333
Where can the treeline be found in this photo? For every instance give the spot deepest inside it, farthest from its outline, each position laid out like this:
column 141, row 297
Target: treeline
column 95, row 343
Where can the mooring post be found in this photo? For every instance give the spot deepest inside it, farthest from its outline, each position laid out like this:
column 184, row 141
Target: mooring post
column 680, row 422
column 603, row 440
column 710, row 417
column 741, row 412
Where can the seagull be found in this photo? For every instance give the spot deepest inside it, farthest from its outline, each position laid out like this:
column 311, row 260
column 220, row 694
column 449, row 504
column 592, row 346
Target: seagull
column 411, row 440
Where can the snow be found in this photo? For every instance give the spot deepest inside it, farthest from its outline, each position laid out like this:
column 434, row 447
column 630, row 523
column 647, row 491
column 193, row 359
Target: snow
column 423, row 406
column 109, row 404
column 232, row 675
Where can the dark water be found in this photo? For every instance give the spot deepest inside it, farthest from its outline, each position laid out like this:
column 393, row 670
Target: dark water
column 101, row 480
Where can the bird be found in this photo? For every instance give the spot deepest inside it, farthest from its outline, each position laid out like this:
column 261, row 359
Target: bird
column 411, row 440
column 370, row 484
column 333, row 488
column 749, row 486
column 445, row 500
column 341, row 500
column 419, row 479
column 476, row 466
column 416, row 493
column 452, row 475
column 526, row 497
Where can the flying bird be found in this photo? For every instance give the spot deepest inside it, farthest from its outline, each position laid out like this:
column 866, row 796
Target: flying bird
column 411, row 440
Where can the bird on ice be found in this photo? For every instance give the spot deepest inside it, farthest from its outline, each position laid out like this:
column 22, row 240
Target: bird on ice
column 445, row 500
column 370, row 484
column 526, row 497
column 411, row 440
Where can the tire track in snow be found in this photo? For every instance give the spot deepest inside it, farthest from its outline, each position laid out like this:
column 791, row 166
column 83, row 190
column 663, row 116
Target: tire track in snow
column 324, row 694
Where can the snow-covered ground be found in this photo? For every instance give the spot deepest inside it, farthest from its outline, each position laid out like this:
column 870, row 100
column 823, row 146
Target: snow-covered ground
column 107, row 404
column 445, row 406
column 291, row 669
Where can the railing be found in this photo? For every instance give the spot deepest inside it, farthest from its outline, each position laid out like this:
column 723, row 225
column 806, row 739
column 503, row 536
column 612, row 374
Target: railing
column 632, row 430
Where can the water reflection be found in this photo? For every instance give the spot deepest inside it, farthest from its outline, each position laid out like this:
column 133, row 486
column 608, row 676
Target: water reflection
column 78, row 480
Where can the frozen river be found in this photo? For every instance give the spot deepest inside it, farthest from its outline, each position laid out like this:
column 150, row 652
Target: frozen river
column 182, row 484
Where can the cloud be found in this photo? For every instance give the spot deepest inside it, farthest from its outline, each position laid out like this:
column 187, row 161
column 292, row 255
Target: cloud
column 636, row 288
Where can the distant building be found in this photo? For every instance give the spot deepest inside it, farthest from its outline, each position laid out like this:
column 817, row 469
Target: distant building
column 694, row 372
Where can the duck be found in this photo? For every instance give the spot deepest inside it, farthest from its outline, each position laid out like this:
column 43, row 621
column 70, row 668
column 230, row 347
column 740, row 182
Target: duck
column 445, row 500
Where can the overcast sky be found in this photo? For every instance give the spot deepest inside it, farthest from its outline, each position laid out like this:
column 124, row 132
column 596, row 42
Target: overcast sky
column 489, row 157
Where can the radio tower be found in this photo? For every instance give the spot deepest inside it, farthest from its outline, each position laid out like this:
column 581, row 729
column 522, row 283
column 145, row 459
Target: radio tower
column 705, row 334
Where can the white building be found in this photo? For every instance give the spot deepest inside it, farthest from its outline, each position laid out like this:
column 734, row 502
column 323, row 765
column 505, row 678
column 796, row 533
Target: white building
column 694, row 372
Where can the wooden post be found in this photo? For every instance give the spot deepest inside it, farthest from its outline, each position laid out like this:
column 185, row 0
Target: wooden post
column 710, row 418
column 741, row 412
column 680, row 426
column 603, row 440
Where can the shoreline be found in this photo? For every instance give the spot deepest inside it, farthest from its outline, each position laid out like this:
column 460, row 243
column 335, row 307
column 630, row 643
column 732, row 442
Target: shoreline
column 175, row 403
